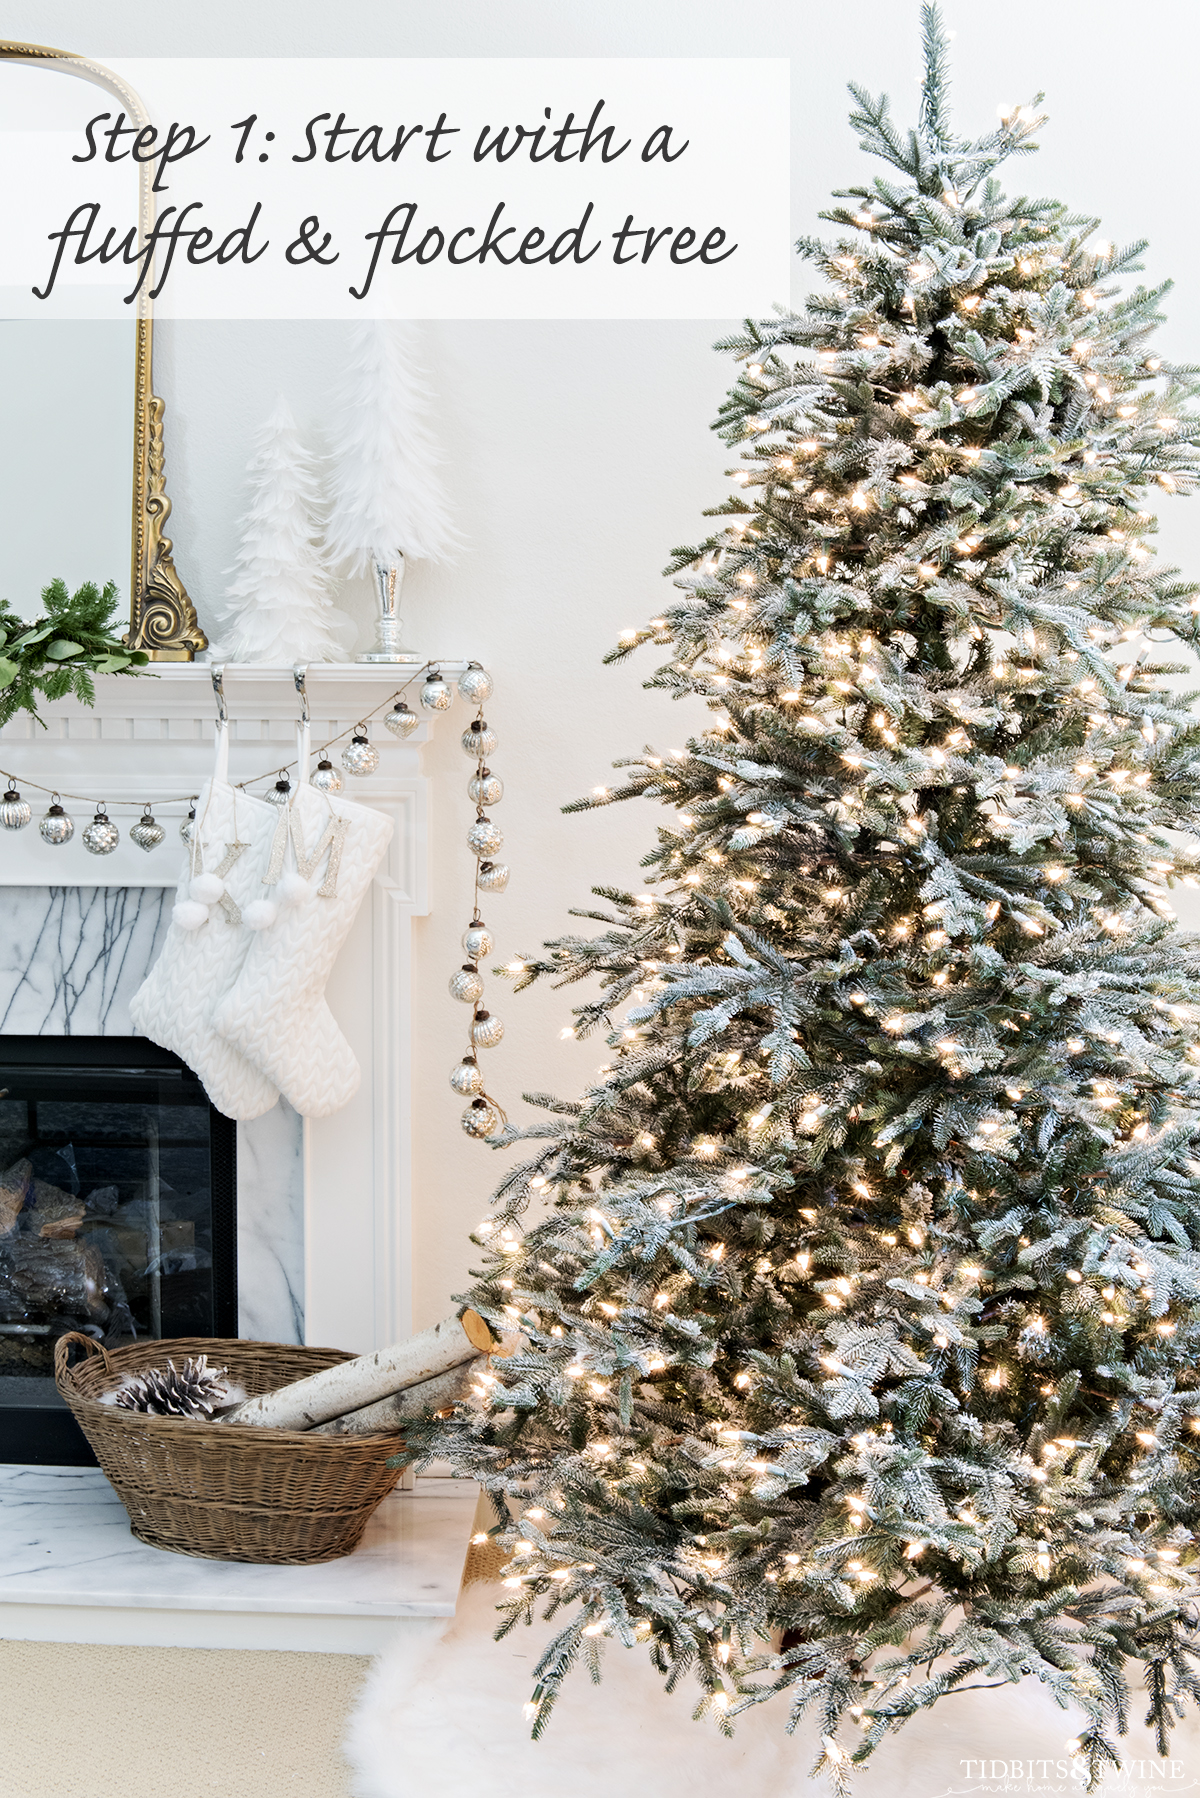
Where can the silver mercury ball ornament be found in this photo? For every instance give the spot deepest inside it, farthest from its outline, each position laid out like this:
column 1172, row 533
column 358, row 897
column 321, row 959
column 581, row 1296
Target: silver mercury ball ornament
column 485, row 788
column 478, row 740
column 484, row 837
column 188, row 824
column 480, row 1118
column 437, row 695
column 359, row 757
column 147, row 833
column 475, row 684
column 486, row 1031
column 477, row 940
column 466, row 1078
column 492, row 877
column 101, row 836
column 15, row 812
column 280, row 794
column 467, row 984
column 401, row 721
column 56, row 827
column 326, row 778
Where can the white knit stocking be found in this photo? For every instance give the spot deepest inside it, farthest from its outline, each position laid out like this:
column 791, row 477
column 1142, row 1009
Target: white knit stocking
column 207, row 941
column 325, row 853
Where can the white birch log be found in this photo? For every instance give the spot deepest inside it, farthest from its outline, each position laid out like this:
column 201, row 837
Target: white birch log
column 353, row 1384
column 411, row 1401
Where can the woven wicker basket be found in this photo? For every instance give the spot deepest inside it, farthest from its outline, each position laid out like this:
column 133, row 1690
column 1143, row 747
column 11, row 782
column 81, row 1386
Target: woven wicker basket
column 286, row 1497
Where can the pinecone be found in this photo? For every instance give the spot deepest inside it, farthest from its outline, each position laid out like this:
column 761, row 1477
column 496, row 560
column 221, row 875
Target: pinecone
column 193, row 1390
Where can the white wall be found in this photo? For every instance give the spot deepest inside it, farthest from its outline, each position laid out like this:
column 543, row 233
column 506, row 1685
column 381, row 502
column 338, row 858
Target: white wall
column 579, row 454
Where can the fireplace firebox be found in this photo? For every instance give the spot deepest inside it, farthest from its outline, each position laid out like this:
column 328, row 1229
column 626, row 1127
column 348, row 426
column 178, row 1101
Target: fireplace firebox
column 118, row 1201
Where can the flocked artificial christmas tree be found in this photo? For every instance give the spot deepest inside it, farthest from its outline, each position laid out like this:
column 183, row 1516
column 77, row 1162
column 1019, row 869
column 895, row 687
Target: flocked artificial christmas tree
column 278, row 607
column 861, row 1291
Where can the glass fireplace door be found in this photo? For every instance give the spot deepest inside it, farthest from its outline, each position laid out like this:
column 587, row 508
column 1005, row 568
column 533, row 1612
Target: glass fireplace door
column 117, row 1217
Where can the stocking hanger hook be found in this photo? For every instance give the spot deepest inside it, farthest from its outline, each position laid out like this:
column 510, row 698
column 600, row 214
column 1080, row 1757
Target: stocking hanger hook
column 298, row 674
column 218, row 682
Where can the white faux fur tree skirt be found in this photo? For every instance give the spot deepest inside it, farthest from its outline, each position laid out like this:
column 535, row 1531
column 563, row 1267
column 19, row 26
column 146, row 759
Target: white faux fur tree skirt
column 440, row 1717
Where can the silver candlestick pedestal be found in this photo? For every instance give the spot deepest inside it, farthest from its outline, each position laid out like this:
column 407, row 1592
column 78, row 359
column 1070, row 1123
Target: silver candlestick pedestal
column 389, row 645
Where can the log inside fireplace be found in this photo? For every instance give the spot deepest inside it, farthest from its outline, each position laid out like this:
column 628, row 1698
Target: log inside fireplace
column 118, row 1217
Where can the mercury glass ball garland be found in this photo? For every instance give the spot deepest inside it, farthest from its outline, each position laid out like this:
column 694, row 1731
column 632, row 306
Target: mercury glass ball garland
column 467, row 984
column 486, row 1031
column 485, row 788
column 492, row 877
column 360, row 757
column 479, row 740
column 57, row 826
column 478, row 940
column 475, row 684
column 437, row 695
column 147, row 833
column 326, row 778
column 101, row 836
column 401, row 721
column 484, row 837
column 482, row 1117
column 466, row 1079
column 15, row 812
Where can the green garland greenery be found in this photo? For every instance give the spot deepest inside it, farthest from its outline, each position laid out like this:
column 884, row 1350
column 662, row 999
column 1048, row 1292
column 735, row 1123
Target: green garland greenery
column 60, row 652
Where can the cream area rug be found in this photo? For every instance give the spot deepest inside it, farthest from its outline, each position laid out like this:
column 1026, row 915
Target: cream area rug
column 85, row 1722
column 440, row 1717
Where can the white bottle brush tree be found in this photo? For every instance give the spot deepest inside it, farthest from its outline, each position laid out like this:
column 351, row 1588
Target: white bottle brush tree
column 278, row 606
column 387, row 500
column 864, row 1323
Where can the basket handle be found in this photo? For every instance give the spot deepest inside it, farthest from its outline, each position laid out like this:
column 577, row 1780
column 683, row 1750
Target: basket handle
column 76, row 1338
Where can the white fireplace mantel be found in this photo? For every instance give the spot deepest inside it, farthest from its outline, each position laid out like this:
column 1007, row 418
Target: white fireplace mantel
column 149, row 739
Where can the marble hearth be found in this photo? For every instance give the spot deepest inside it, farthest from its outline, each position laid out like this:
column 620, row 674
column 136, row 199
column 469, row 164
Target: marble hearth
column 70, row 1571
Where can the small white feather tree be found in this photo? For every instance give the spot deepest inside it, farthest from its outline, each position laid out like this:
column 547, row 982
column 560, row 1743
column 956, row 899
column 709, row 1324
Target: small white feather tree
column 387, row 501
column 278, row 606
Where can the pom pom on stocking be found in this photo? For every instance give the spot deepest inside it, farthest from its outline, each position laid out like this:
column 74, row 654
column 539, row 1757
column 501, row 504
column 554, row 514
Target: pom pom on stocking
column 293, row 889
column 207, row 888
column 260, row 914
column 189, row 914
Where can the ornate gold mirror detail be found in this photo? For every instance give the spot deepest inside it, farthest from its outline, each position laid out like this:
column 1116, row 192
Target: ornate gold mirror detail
column 162, row 619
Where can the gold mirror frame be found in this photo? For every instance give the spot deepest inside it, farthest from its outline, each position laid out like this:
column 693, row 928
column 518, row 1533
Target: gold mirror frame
column 162, row 619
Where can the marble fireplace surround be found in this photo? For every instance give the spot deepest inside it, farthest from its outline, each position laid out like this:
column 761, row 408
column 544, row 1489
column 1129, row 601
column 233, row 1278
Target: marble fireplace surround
column 324, row 1204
